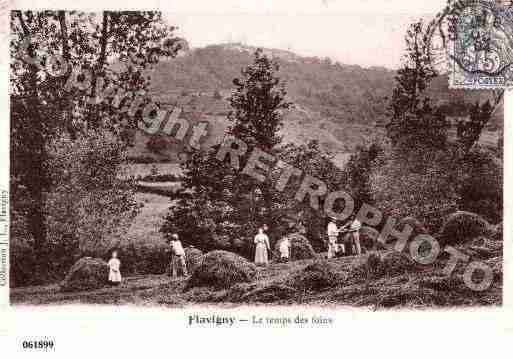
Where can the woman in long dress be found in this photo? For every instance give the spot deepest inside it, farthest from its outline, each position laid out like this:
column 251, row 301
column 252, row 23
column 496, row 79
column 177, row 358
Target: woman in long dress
column 262, row 245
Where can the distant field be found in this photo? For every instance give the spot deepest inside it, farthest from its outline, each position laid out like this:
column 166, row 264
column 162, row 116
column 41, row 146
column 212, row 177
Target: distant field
column 145, row 228
column 145, row 169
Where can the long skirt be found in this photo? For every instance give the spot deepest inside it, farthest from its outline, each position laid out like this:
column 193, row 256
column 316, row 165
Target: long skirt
column 178, row 266
column 261, row 254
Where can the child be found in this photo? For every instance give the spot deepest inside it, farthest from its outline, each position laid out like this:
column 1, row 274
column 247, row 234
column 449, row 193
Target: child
column 285, row 250
column 114, row 274
column 177, row 256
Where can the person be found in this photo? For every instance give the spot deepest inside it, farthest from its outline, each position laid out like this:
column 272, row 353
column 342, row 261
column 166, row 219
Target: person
column 285, row 250
column 353, row 236
column 262, row 246
column 177, row 256
column 333, row 231
column 114, row 272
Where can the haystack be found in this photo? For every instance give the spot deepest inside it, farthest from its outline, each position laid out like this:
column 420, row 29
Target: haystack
column 376, row 265
column 192, row 258
column 316, row 276
column 86, row 274
column 221, row 269
column 461, row 227
column 300, row 248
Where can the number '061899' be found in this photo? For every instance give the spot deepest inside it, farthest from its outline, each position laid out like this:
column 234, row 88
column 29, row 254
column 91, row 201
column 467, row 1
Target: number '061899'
column 38, row 344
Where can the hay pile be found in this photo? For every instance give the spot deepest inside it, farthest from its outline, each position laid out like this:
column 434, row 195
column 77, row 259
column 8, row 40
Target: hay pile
column 192, row 258
column 86, row 274
column 300, row 248
column 316, row 276
column 461, row 227
column 376, row 266
column 221, row 269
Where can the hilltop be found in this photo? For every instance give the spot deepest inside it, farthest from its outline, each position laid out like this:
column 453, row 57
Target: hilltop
column 340, row 106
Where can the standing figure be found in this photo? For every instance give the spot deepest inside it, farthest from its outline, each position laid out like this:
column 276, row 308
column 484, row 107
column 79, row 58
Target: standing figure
column 177, row 256
column 285, row 250
column 353, row 236
column 333, row 231
column 262, row 246
column 114, row 273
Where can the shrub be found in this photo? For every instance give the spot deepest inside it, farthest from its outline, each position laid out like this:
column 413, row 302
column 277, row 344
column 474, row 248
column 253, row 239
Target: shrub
column 88, row 273
column 300, row 248
column 316, row 276
column 221, row 269
column 193, row 258
column 144, row 259
column 461, row 227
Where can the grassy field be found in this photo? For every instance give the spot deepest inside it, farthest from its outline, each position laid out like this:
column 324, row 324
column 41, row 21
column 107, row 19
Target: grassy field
column 144, row 229
column 145, row 169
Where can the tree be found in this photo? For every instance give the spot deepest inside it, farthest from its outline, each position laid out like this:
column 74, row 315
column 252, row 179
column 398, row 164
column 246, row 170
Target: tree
column 414, row 121
column 468, row 132
column 50, row 48
column 416, row 176
column 358, row 171
column 226, row 202
column 221, row 207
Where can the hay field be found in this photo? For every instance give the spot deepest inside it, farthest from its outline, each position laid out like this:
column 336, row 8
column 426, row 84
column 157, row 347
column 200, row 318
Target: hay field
column 411, row 289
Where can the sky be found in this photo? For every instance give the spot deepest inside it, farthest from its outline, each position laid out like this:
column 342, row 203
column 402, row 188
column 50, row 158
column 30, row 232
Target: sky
column 364, row 32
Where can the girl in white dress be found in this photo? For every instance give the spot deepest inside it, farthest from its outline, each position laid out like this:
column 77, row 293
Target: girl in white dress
column 262, row 246
column 114, row 273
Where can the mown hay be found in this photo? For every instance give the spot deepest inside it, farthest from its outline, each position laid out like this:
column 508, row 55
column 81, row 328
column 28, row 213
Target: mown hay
column 221, row 269
column 316, row 276
column 86, row 274
column 461, row 227
column 300, row 248
column 192, row 258
column 377, row 266
column 268, row 294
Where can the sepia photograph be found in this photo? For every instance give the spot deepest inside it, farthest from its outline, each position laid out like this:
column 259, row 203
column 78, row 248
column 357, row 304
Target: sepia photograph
column 186, row 159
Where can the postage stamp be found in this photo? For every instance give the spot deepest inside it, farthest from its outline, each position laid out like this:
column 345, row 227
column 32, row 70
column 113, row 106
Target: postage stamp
column 481, row 56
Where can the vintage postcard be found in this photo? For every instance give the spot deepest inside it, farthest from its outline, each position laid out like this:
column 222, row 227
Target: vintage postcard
column 237, row 167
